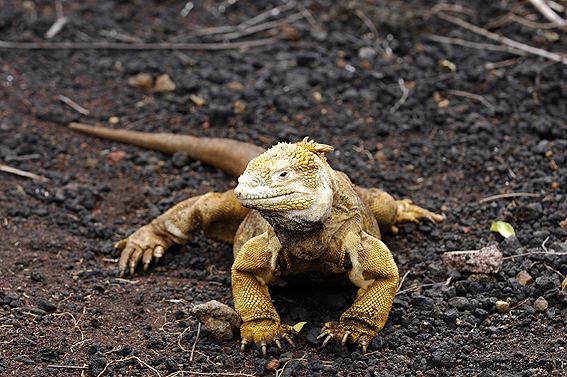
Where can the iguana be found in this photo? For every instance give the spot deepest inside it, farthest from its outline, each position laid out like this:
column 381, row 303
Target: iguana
column 290, row 216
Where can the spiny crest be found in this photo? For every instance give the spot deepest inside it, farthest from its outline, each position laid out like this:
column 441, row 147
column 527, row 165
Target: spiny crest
column 300, row 155
column 313, row 146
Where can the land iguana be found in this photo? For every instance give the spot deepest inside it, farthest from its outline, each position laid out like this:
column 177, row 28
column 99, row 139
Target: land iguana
column 290, row 216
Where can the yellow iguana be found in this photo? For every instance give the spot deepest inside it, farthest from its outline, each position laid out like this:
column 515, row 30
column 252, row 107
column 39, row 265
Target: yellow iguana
column 290, row 216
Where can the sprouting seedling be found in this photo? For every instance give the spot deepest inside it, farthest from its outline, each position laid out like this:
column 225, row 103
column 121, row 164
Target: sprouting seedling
column 504, row 228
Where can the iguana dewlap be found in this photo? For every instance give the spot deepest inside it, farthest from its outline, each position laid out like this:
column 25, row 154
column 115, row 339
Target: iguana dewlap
column 291, row 216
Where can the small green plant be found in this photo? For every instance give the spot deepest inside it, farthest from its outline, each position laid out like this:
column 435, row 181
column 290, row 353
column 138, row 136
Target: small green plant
column 504, row 228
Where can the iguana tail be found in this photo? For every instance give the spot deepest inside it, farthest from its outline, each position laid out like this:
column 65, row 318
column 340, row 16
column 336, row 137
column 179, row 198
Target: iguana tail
column 231, row 156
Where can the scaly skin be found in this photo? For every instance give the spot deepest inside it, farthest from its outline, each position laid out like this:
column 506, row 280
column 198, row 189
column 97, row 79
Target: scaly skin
column 292, row 216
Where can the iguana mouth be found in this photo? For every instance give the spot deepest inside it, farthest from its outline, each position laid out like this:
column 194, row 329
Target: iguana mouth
column 267, row 195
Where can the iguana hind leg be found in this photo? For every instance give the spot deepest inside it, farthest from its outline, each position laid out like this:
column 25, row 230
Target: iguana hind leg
column 218, row 214
column 389, row 211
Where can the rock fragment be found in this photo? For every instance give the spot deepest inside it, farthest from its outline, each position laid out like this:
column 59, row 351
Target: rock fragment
column 219, row 319
column 198, row 100
column 524, row 278
column 141, row 81
column 164, row 84
column 541, row 304
column 486, row 260
column 235, row 86
column 502, row 306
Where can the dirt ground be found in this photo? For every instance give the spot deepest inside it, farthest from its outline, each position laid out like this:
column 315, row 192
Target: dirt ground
column 414, row 100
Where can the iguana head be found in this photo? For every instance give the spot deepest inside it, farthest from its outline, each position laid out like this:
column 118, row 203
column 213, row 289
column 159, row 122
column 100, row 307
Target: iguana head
column 292, row 181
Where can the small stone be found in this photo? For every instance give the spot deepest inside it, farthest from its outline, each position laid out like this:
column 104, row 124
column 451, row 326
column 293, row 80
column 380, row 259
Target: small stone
column 219, row 319
column 367, row 52
column 46, row 305
column 239, row 107
column 486, row 260
column 164, row 84
column 97, row 366
column 113, row 120
column 155, row 343
column 555, row 185
column 46, row 354
column 235, row 86
column 317, row 97
column 502, row 306
column 524, row 278
column 115, row 157
column 141, row 81
column 180, row 159
column 198, row 100
column 459, row 303
column 273, row 365
column 541, row 304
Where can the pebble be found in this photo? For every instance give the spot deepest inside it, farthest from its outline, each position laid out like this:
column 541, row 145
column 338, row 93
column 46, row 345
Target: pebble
column 273, row 365
column 198, row 100
column 235, row 86
column 164, row 84
column 486, row 260
column 459, row 303
column 541, row 304
column 218, row 318
column 239, row 107
column 367, row 52
column 141, row 81
column 524, row 278
column 502, row 306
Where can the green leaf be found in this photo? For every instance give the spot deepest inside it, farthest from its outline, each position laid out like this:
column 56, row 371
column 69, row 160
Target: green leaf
column 502, row 227
column 298, row 326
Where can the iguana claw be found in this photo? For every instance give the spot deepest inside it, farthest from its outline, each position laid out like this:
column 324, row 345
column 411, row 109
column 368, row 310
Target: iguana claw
column 264, row 333
column 345, row 337
column 286, row 337
column 263, row 346
column 337, row 331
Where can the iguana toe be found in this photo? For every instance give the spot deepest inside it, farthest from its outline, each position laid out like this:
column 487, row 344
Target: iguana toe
column 264, row 333
column 408, row 212
column 344, row 333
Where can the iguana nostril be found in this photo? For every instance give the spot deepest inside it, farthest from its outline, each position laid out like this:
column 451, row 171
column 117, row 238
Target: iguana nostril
column 254, row 181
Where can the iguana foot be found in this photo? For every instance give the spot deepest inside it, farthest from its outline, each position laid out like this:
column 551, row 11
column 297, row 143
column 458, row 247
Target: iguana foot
column 351, row 332
column 265, row 332
column 407, row 212
column 143, row 244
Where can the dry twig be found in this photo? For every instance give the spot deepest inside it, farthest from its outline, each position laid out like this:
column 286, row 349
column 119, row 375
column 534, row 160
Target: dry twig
column 508, row 195
column 547, row 12
column 67, row 367
column 195, row 343
column 9, row 169
column 258, row 28
column 504, row 40
column 473, row 96
column 402, row 100
column 74, row 105
column 478, row 46
column 59, row 22
column 134, row 46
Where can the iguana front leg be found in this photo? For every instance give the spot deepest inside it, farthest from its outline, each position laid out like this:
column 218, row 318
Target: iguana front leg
column 375, row 272
column 255, row 267
column 218, row 214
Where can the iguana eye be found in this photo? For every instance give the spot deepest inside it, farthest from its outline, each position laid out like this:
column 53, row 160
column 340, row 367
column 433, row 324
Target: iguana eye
column 282, row 175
